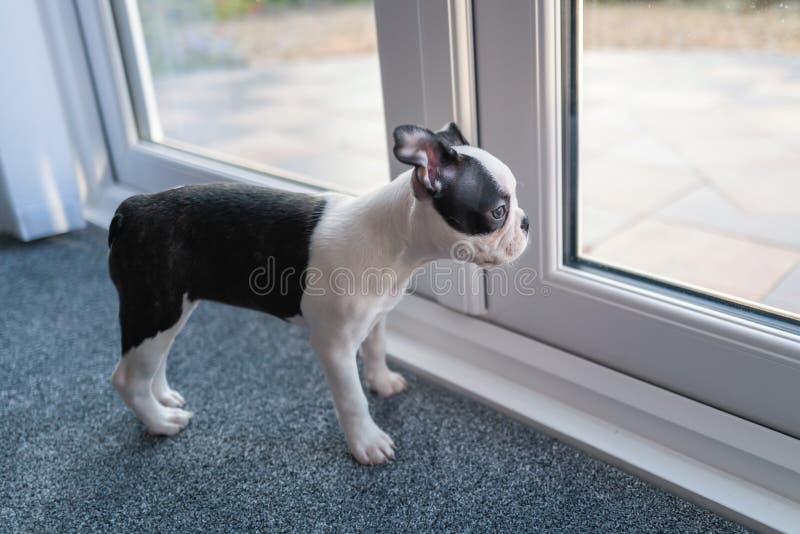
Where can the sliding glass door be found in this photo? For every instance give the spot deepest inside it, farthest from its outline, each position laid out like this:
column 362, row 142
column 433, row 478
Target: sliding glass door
column 657, row 145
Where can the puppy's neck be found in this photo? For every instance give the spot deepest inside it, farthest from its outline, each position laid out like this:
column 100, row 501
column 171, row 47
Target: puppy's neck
column 406, row 224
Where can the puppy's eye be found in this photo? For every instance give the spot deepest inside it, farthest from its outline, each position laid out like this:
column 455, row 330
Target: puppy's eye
column 499, row 212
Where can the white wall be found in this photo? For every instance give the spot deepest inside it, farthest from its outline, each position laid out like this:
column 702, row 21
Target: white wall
column 38, row 182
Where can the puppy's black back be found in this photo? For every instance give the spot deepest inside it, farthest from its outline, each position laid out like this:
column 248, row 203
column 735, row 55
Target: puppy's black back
column 233, row 243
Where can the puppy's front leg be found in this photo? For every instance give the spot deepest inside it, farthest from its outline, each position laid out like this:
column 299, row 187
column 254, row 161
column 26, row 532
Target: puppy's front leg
column 368, row 443
column 380, row 378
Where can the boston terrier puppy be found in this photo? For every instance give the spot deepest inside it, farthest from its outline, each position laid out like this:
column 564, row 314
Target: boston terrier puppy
column 339, row 262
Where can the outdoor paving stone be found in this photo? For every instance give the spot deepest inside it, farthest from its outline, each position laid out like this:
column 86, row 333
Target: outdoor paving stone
column 733, row 117
column 631, row 187
column 597, row 224
column 648, row 151
column 697, row 258
column 320, row 118
column 339, row 171
column 601, row 126
column 266, row 148
column 708, row 209
column 786, row 295
column 773, row 187
column 760, row 174
column 283, row 116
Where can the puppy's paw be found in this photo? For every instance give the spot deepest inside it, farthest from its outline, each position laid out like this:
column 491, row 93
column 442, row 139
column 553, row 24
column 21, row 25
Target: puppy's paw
column 168, row 422
column 369, row 444
column 170, row 398
column 387, row 383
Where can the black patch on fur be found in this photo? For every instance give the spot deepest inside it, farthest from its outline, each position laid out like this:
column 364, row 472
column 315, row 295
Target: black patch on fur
column 462, row 190
column 452, row 135
column 466, row 201
column 206, row 241
column 113, row 228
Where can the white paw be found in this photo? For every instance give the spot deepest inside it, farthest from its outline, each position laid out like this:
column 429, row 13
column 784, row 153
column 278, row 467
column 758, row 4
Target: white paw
column 387, row 383
column 369, row 444
column 168, row 422
column 170, row 398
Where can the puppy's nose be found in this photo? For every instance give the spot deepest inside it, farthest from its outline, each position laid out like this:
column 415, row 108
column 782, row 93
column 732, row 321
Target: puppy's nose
column 524, row 224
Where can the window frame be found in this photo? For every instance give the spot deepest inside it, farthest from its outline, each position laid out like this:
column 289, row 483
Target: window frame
column 710, row 355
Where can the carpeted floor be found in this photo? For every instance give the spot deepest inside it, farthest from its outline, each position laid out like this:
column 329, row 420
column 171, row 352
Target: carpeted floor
column 263, row 452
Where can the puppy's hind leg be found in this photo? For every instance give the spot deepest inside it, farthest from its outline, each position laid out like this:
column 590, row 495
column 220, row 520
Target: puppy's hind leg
column 161, row 390
column 163, row 393
column 134, row 377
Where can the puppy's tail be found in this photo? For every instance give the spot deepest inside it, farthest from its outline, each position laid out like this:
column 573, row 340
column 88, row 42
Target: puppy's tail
column 114, row 228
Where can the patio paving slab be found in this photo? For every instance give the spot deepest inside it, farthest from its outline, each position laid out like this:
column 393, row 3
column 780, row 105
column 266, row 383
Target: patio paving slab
column 707, row 209
column 600, row 224
column 786, row 295
column 322, row 118
column 697, row 258
column 733, row 117
column 630, row 186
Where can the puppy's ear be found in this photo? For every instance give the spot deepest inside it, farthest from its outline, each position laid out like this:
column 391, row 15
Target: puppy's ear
column 452, row 134
column 427, row 152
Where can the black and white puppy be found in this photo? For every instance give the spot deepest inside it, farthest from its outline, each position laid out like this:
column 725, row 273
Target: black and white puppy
column 221, row 242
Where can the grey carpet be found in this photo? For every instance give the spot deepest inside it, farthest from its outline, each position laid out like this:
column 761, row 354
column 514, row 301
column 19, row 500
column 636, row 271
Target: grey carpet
column 263, row 452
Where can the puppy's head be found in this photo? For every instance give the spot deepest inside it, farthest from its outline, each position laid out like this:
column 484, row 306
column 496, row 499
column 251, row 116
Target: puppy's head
column 471, row 192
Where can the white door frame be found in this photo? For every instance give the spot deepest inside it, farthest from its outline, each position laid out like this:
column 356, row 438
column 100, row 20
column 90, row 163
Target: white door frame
column 709, row 354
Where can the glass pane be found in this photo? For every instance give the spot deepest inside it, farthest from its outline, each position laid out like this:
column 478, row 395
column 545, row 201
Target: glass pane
column 289, row 84
column 689, row 145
